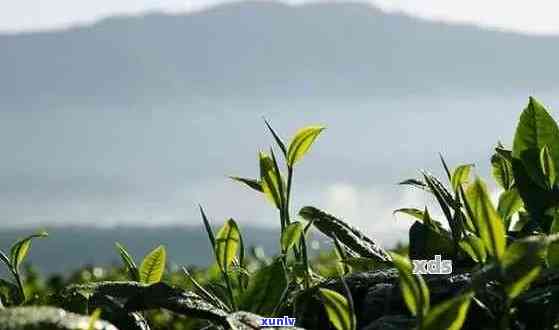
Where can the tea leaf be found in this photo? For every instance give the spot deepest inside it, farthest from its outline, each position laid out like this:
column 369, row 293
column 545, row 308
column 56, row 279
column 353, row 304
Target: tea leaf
column 416, row 213
column 279, row 141
column 227, row 244
column 95, row 316
column 522, row 263
column 548, row 167
column 153, row 266
column 337, row 308
column 348, row 235
column 265, row 289
column 301, row 143
column 208, row 227
column 291, row 235
column 19, row 249
column 461, row 175
column 535, row 130
column 449, row 314
column 474, row 247
column 252, row 183
column 271, row 180
column 414, row 289
column 509, row 204
column 501, row 169
column 487, row 221
column 128, row 262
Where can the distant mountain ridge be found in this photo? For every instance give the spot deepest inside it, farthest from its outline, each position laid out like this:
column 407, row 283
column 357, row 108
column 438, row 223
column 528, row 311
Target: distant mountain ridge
column 266, row 50
column 69, row 248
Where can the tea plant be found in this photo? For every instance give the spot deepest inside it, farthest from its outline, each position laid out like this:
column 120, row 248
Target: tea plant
column 505, row 256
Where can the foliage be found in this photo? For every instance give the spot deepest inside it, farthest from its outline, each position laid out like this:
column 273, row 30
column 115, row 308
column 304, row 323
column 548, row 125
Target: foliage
column 508, row 254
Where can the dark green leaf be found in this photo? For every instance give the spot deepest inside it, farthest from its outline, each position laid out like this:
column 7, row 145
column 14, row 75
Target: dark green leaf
column 535, row 130
column 522, row 263
column 265, row 289
column 548, row 167
column 348, row 235
column 128, row 262
column 277, row 138
column 252, row 183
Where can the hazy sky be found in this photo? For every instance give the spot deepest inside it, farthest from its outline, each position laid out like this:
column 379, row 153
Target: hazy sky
column 536, row 16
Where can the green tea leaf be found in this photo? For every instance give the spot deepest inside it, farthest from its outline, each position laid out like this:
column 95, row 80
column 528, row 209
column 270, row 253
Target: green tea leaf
column 208, row 227
column 522, row 263
column 252, row 183
column 416, row 213
column 487, row 221
column 548, row 167
column 279, row 141
column 337, row 308
column 501, row 169
column 265, row 289
column 301, row 143
column 449, row 315
column 461, row 175
column 271, row 181
column 153, row 266
column 95, row 316
column 535, row 130
column 291, row 235
column 509, row 204
column 128, row 262
column 19, row 249
column 351, row 237
column 227, row 244
column 474, row 247
column 414, row 289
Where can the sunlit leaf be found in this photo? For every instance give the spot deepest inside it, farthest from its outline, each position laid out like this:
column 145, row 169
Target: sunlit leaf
column 153, row 266
column 301, row 143
column 449, row 315
column 414, row 289
column 501, row 169
column 337, row 308
column 522, row 263
column 93, row 318
column 509, row 204
column 461, row 175
column 271, row 181
column 19, row 249
column 291, row 235
column 227, row 244
column 474, row 247
column 486, row 219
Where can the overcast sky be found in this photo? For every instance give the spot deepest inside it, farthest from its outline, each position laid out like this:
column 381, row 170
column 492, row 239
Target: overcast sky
column 535, row 16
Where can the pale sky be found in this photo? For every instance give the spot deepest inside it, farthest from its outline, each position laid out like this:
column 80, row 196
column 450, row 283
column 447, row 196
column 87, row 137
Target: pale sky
column 534, row 16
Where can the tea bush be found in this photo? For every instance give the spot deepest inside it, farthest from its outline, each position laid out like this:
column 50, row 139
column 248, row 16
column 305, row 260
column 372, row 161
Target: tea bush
column 504, row 257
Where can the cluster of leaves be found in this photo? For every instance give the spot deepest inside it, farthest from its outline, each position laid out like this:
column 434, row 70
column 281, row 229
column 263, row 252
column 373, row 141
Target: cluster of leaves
column 504, row 249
